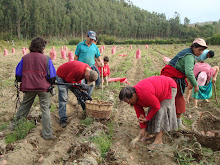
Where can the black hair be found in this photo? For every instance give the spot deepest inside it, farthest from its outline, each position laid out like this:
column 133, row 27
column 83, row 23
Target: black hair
column 106, row 58
column 126, row 93
column 196, row 45
column 38, row 44
column 211, row 53
column 96, row 39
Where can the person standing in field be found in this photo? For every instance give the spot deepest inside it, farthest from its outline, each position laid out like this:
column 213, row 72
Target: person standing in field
column 205, row 54
column 158, row 93
column 180, row 68
column 106, row 70
column 86, row 52
column 32, row 72
column 205, row 75
column 71, row 72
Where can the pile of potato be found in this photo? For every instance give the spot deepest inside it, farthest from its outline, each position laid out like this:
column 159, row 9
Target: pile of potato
column 212, row 133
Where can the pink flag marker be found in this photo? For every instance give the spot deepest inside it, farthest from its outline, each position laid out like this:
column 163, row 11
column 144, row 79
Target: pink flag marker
column 122, row 80
column 113, row 50
column 166, row 59
column 5, row 52
column 101, row 49
column 138, row 54
column 70, row 56
column 123, row 55
column 23, row 51
column 63, row 54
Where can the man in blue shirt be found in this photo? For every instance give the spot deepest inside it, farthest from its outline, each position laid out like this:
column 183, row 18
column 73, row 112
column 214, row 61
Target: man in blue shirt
column 86, row 52
column 205, row 54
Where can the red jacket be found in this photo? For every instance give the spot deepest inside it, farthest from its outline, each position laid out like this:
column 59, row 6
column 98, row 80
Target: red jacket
column 73, row 71
column 151, row 92
column 106, row 71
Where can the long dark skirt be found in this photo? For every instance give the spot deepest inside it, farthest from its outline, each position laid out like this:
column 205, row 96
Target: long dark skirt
column 165, row 118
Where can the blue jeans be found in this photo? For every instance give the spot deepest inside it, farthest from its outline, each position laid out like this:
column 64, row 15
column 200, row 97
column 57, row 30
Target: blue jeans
column 98, row 81
column 63, row 99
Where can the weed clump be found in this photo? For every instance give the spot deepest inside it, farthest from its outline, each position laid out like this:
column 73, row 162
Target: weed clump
column 21, row 130
column 87, row 121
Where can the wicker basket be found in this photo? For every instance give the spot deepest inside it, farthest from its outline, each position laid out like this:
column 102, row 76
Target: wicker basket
column 98, row 109
column 207, row 123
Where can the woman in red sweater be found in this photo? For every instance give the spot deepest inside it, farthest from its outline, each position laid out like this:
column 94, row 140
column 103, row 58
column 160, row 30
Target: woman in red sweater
column 158, row 93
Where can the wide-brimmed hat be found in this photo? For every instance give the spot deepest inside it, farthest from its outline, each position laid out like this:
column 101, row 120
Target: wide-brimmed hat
column 202, row 77
column 200, row 41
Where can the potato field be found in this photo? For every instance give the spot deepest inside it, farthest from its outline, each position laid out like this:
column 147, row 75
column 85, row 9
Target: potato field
column 88, row 141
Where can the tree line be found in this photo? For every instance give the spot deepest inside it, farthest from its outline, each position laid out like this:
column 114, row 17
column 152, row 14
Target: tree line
column 25, row 19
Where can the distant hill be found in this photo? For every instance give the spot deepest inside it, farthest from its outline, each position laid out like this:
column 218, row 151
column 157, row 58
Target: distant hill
column 217, row 25
column 200, row 23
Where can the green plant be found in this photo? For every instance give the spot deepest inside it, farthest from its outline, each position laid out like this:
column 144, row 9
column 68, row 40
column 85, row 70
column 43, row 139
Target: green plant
column 187, row 121
column 53, row 107
column 74, row 42
column 103, row 143
column 87, row 121
column 184, row 158
column 8, row 82
column 3, row 126
column 21, row 130
column 110, row 130
column 104, row 140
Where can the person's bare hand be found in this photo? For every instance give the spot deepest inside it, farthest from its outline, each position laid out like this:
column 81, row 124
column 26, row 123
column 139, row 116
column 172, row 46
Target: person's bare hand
column 196, row 89
column 213, row 80
column 101, row 64
column 142, row 119
column 187, row 100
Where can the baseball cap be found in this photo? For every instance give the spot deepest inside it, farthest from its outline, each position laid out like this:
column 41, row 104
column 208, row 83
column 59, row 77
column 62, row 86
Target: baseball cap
column 200, row 41
column 92, row 35
column 202, row 77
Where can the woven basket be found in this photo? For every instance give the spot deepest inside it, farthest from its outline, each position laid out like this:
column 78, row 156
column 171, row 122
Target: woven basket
column 207, row 123
column 98, row 109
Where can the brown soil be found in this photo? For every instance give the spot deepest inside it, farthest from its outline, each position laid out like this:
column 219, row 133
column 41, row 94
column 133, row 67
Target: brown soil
column 72, row 144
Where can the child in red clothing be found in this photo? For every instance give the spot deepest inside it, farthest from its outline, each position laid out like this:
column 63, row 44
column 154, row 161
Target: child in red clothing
column 106, row 70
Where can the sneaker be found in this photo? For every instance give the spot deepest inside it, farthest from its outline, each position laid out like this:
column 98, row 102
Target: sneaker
column 63, row 124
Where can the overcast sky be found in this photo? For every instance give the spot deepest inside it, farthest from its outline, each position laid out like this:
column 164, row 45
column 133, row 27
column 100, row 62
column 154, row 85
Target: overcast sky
column 194, row 10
